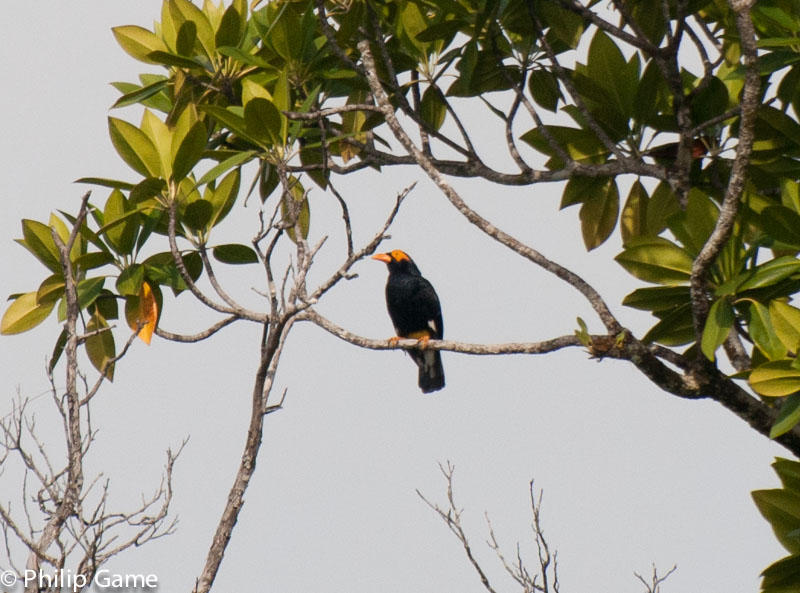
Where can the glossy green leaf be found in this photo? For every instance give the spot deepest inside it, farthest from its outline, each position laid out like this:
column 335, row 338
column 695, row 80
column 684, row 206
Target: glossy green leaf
column 141, row 94
column 656, row 260
column 633, row 221
column 433, row 108
column 135, row 148
column 263, row 121
column 777, row 378
column 770, row 273
column 51, row 289
column 237, row 159
column 788, row 416
column 198, row 215
column 58, row 350
column 24, row 313
column 718, row 325
column 764, row 337
column 608, row 68
column 662, row 205
column 786, row 324
column 187, row 37
column 88, row 291
column 38, row 239
column 182, row 11
column 161, row 269
column 676, row 327
column 782, row 576
column 782, row 224
column 121, row 236
column 580, row 188
column 788, row 471
column 782, row 509
column 130, row 280
column 599, row 214
column 138, row 42
column 100, row 347
column 544, row 89
column 693, row 225
column 223, row 197
column 188, row 150
column 234, row 253
column 657, row 298
column 230, row 28
column 228, row 119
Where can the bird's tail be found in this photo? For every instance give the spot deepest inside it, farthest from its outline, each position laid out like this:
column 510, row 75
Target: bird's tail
column 431, row 372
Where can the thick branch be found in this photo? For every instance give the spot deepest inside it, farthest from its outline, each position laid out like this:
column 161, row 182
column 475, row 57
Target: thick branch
column 730, row 204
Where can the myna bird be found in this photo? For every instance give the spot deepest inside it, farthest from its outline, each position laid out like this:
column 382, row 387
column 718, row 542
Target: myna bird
column 416, row 314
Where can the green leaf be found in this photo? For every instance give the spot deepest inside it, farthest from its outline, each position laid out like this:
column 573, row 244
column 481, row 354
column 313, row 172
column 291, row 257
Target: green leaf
column 788, row 471
column 764, row 337
column 263, row 121
column 135, row 148
column 782, row 224
column 782, row 576
column 88, row 291
column 113, row 183
column 197, row 215
column 776, row 378
column 100, row 347
column 51, row 289
column 770, row 273
column 788, row 417
column 657, row 298
column 676, row 327
column 138, row 42
column 718, row 325
column 58, row 349
column 782, row 509
column 599, row 214
column 662, row 205
column 235, row 254
column 187, row 37
column 229, row 119
column 161, row 269
column 230, row 28
column 633, row 222
column 544, row 89
column 24, row 313
column 38, row 239
column 141, row 94
column 786, row 324
column 607, row 67
column 656, row 260
column 129, row 282
column 121, row 236
column 223, row 198
column 433, row 108
column 182, row 11
column 694, row 225
column 188, row 150
column 237, row 159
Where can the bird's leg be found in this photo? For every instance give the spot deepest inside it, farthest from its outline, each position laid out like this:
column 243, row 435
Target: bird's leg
column 393, row 341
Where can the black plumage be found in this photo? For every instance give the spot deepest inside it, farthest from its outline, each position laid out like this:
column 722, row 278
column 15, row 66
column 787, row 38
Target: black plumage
column 415, row 312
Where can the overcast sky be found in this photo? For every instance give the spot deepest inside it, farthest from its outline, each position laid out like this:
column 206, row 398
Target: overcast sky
column 631, row 476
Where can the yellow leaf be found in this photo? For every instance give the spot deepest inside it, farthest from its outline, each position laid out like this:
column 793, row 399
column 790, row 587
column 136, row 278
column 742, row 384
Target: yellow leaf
column 145, row 315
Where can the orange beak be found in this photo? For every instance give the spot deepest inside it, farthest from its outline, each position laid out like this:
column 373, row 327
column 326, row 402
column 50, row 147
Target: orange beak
column 384, row 257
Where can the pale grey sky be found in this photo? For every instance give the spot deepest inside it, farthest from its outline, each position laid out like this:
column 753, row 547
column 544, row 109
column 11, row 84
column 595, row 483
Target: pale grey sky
column 631, row 476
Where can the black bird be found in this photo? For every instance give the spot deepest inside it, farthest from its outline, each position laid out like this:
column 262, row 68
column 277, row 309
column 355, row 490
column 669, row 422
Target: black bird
column 416, row 313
